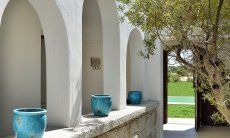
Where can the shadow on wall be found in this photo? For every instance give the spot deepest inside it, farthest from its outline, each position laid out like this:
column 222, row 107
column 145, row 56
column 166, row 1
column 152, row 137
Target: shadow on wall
column 77, row 106
column 101, row 42
column 134, row 62
column 92, row 50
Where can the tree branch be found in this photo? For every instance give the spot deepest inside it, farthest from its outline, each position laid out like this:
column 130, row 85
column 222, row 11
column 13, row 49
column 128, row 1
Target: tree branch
column 181, row 60
column 217, row 21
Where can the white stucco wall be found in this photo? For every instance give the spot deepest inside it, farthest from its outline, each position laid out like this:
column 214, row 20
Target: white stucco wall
column 61, row 22
column 20, row 62
column 111, row 52
column 125, row 30
column 57, row 56
column 152, row 70
column 153, row 84
column 92, row 47
column 57, row 60
column 135, row 63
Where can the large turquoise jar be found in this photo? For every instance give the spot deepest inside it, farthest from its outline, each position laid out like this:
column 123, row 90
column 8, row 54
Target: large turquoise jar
column 29, row 122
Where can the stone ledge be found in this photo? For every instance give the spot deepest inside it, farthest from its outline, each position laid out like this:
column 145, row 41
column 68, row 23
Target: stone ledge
column 94, row 126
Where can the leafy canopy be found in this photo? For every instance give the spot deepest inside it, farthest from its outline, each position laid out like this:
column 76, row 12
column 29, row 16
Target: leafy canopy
column 177, row 22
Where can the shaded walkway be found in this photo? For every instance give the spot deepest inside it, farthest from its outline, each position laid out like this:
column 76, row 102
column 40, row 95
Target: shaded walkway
column 184, row 128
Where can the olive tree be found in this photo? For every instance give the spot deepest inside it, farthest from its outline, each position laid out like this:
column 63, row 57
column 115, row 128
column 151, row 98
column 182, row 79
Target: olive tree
column 200, row 27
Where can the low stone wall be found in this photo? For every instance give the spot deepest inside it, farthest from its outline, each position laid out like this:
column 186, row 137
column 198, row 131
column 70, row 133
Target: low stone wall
column 132, row 122
column 142, row 127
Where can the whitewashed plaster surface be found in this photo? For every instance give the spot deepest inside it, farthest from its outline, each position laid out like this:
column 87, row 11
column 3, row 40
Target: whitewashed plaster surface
column 61, row 22
column 135, row 63
column 153, row 84
column 20, row 62
column 92, row 47
column 57, row 62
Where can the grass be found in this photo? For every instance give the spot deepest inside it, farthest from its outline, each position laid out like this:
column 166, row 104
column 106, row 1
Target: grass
column 181, row 89
column 181, row 111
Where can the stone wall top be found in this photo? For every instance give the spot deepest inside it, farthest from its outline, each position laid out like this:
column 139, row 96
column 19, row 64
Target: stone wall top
column 93, row 126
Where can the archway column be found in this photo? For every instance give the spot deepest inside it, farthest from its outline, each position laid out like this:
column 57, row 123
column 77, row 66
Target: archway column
column 111, row 51
column 125, row 30
column 57, row 56
column 153, row 84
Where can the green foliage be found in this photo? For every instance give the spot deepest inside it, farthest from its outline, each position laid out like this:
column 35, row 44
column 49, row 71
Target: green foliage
column 176, row 72
column 218, row 118
column 226, row 89
column 175, row 17
column 181, row 111
column 180, row 70
column 199, row 26
column 181, row 89
column 209, row 97
column 173, row 77
column 182, row 22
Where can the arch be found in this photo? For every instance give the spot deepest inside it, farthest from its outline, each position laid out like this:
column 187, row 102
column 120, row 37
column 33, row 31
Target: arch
column 134, row 62
column 111, row 50
column 57, row 59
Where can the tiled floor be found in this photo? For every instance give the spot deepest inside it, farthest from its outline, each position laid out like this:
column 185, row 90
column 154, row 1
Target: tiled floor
column 184, row 128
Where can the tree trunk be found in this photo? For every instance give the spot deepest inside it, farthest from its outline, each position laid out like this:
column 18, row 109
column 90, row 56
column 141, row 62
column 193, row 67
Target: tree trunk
column 214, row 80
column 221, row 107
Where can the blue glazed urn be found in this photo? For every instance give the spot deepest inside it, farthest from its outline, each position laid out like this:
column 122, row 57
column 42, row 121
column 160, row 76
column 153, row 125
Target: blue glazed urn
column 29, row 122
column 134, row 97
column 101, row 104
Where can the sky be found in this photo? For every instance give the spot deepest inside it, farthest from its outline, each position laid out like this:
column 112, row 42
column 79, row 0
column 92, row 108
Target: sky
column 185, row 54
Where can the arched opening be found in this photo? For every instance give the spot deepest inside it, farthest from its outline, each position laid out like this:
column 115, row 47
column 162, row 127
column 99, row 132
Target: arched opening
column 92, row 50
column 134, row 63
column 33, row 61
column 20, row 50
column 101, row 52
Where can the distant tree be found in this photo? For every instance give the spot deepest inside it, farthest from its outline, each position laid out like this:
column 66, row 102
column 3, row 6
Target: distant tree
column 182, row 70
column 200, row 27
column 174, row 77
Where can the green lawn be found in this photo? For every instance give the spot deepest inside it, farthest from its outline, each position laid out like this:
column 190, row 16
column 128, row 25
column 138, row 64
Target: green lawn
column 181, row 111
column 180, row 89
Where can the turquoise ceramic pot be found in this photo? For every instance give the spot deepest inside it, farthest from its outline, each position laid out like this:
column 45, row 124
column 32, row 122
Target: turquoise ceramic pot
column 101, row 104
column 29, row 122
column 134, row 97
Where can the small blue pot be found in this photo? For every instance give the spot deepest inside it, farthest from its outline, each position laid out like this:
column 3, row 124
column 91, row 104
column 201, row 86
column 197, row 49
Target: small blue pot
column 101, row 104
column 29, row 122
column 134, row 97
